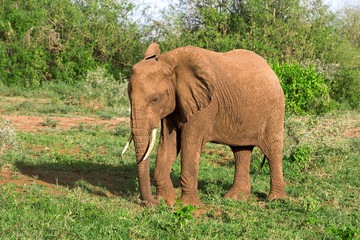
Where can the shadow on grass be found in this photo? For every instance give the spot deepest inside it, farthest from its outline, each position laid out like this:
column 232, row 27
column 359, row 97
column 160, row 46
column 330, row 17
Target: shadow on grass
column 105, row 179
column 260, row 195
column 98, row 179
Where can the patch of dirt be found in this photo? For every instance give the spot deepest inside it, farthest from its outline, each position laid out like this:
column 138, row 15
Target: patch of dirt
column 353, row 133
column 33, row 123
column 21, row 180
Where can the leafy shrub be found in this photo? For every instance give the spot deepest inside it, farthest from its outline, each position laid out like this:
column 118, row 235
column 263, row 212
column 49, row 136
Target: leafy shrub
column 298, row 161
column 100, row 88
column 182, row 213
column 8, row 136
column 301, row 156
column 122, row 130
column 305, row 90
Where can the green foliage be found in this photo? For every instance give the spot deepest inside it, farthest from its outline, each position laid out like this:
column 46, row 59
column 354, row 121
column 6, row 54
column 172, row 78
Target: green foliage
column 279, row 30
column 48, row 40
column 284, row 31
column 344, row 233
column 301, row 156
column 122, row 130
column 182, row 213
column 305, row 90
column 298, row 162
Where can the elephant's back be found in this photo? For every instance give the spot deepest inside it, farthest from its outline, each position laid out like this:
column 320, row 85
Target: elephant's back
column 245, row 60
column 244, row 70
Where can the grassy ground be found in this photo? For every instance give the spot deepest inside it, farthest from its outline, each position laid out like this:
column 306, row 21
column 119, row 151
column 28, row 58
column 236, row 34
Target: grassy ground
column 71, row 182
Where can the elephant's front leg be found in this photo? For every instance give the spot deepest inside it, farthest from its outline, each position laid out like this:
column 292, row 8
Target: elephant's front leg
column 191, row 148
column 168, row 150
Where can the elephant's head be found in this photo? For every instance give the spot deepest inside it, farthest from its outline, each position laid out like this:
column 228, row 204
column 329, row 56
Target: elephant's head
column 158, row 85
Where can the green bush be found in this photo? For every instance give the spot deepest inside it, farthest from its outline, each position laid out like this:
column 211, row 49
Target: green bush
column 301, row 156
column 305, row 90
column 42, row 41
column 298, row 162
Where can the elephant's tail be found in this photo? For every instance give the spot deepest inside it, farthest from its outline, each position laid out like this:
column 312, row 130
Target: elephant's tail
column 260, row 167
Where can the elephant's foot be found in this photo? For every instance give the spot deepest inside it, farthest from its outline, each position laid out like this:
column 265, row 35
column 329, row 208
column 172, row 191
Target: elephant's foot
column 168, row 196
column 151, row 202
column 277, row 194
column 190, row 199
column 237, row 194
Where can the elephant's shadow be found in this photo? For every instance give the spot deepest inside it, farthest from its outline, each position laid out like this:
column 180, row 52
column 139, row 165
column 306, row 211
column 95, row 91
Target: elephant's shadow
column 98, row 179
column 106, row 179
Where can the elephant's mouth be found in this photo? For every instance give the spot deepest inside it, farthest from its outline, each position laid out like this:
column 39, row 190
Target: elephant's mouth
column 150, row 146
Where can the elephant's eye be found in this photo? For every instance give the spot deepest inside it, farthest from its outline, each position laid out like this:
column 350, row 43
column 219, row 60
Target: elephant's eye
column 155, row 99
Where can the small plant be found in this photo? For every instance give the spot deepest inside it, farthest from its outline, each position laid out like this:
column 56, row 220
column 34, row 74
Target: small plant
column 48, row 122
column 312, row 221
column 8, row 137
column 301, row 157
column 83, row 184
column 311, row 205
column 27, row 106
column 298, row 162
column 182, row 212
column 343, row 232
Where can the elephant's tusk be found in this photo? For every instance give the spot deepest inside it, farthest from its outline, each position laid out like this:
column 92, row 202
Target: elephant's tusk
column 152, row 144
column 127, row 144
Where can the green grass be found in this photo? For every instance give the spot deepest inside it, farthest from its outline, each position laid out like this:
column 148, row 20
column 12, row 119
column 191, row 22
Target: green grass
column 81, row 188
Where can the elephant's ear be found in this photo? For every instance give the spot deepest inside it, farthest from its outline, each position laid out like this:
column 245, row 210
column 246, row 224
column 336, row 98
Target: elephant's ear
column 195, row 82
column 153, row 51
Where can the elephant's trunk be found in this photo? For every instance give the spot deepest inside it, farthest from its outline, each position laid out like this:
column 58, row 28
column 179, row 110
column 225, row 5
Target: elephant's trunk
column 141, row 140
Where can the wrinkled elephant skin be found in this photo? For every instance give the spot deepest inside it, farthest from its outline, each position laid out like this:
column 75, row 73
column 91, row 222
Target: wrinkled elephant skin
column 200, row 96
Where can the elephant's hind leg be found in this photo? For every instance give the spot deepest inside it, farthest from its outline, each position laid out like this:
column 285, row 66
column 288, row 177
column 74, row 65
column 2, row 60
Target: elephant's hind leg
column 241, row 188
column 274, row 155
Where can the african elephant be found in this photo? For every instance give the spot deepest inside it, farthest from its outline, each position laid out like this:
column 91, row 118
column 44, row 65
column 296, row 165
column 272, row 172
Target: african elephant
column 200, row 96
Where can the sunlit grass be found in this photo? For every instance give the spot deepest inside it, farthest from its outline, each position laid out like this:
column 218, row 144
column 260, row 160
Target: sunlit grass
column 74, row 184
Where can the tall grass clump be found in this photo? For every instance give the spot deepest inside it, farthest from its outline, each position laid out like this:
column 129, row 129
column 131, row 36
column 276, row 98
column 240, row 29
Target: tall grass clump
column 103, row 87
column 8, row 136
